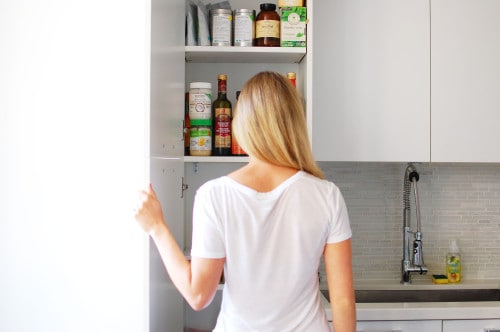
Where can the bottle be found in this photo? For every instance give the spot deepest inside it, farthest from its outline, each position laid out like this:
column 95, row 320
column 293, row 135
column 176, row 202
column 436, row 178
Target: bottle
column 454, row 263
column 236, row 149
column 222, row 120
column 267, row 26
column 292, row 77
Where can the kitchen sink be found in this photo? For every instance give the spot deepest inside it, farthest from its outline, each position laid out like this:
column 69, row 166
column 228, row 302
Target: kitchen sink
column 434, row 295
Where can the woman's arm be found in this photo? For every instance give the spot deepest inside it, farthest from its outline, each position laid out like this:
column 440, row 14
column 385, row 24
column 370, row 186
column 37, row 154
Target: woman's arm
column 338, row 265
column 196, row 280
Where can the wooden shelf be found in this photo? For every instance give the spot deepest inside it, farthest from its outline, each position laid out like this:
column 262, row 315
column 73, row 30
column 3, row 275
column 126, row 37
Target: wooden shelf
column 233, row 54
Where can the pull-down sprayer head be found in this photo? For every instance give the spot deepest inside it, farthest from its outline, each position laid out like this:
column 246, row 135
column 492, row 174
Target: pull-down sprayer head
column 415, row 262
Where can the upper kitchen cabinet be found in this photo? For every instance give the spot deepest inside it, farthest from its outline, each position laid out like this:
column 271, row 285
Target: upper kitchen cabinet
column 371, row 80
column 465, row 80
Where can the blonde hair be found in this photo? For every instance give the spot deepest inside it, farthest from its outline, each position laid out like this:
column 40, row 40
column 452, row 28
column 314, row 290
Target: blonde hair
column 270, row 123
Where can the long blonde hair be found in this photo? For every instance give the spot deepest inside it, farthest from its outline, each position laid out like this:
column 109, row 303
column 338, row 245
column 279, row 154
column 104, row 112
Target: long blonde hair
column 270, row 123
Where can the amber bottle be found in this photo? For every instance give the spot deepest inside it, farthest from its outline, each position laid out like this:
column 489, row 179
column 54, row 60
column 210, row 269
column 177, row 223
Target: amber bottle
column 267, row 26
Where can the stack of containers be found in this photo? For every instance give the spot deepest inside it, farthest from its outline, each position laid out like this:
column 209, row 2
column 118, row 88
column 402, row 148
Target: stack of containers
column 240, row 27
column 200, row 116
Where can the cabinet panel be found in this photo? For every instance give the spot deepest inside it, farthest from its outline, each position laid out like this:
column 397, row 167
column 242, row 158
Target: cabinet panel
column 371, row 80
column 166, row 303
column 480, row 325
column 167, row 78
column 465, row 80
column 399, row 326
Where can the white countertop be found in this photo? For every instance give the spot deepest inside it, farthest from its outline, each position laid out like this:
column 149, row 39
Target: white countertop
column 424, row 310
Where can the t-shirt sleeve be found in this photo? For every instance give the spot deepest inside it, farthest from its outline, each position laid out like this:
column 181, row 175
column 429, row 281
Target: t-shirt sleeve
column 208, row 235
column 340, row 228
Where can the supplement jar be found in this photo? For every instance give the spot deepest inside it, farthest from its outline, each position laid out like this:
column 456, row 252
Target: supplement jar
column 200, row 100
column 267, row 26
column 200, row 133
column 244, row 27
column 221, row 27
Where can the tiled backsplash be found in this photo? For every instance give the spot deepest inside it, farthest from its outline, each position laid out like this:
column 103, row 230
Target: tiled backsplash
column 457, row 201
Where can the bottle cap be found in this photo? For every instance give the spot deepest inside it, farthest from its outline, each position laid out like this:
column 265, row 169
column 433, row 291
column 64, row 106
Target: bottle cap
column 267, row 6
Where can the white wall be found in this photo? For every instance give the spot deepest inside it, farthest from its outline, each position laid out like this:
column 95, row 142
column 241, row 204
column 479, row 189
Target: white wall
column 73, row 101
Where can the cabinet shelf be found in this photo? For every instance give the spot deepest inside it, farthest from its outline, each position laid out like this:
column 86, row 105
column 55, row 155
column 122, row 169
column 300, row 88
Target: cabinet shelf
column 195, row 159
column 232, row 54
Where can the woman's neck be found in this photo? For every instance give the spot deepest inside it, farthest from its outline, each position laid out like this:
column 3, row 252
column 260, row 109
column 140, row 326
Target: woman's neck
column 262, row 176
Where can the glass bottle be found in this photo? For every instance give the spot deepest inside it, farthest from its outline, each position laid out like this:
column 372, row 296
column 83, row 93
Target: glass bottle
column 292, row 77
column 222, row 120
column 236, row 149
column 267, row 26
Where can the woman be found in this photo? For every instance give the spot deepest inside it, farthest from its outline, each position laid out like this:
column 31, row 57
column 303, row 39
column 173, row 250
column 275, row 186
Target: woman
column 268, row 224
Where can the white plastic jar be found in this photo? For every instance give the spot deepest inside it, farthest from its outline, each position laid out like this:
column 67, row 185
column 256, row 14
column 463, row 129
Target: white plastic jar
column 200, row 101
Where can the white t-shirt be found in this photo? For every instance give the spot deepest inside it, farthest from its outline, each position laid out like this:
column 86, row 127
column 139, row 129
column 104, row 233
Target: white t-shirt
column 273, row 243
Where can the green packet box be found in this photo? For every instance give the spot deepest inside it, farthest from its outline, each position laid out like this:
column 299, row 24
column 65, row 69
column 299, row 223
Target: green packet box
column 293, row 26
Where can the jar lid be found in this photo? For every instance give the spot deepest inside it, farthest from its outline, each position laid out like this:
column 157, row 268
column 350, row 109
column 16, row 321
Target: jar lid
column 267, row 6
column 201, row 122
column 241, row 11
column 221, row 11
column 200, row 85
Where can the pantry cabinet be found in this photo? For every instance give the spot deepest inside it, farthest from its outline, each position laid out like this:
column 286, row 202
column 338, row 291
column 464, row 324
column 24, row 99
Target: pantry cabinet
column 465, row 75
column 203, row 64
column 371, row 84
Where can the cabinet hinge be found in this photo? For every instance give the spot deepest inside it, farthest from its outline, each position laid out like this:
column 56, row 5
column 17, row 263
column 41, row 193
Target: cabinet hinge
column 184, row 187
column 184, row 130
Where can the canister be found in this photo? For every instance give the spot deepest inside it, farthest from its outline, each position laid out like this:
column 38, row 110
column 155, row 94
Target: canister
column 200, row 100
column 221, row 27
column 200, row 137
column 244, row 27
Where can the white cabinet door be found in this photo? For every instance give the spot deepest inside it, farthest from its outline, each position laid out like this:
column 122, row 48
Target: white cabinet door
column 167, row 77
column 371, row 80
column 465, row 80
column 480, row 325
column 166, row 311
column 166, row 303
column 399, row 326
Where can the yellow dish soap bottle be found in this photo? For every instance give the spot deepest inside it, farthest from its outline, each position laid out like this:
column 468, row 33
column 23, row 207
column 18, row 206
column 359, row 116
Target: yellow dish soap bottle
column 454, row 263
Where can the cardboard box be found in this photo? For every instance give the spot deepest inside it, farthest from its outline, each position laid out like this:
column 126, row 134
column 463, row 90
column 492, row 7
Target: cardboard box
column 293, row 26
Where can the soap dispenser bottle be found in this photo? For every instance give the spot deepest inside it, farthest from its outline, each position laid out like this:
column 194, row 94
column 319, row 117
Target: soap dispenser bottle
column 454, row 263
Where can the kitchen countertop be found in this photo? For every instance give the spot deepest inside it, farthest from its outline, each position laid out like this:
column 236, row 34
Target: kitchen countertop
column 423, row 310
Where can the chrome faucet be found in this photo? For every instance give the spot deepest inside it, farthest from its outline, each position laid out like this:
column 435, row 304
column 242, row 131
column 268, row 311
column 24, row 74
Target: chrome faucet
column 412, row 262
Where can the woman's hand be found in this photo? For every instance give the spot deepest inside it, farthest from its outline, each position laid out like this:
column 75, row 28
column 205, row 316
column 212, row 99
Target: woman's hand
column 148, row 212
